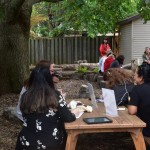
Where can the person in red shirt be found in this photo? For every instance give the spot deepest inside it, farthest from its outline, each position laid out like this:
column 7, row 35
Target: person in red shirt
column 104, row 47
column 110, row 58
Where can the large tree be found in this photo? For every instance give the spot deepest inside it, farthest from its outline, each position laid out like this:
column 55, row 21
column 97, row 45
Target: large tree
column 96, row 16
column 14, row 39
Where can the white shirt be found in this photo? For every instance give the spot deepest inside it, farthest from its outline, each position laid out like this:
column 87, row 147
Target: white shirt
column 101, row 63
column 18, row 111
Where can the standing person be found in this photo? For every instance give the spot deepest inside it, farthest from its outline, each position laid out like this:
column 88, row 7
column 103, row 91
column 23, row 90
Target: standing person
column 146, row 55
column 104, row 47
column 139, row 103
column 42, row 63
column 118, row 62
column 44, row 113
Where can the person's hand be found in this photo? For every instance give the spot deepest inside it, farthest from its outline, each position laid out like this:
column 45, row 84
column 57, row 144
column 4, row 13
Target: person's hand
column 62, row 92
column 55, row 79
column 76, row 112
column 64, row 95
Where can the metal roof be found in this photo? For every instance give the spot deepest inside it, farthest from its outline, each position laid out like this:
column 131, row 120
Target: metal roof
column 129, row 19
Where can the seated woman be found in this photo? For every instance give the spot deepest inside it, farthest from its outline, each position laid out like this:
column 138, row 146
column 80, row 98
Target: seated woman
column 140, row 97
column 41, row 63
column 118, row 62
column 121, row 81
column 110, row 58
column 146, row 55
column 44, row 112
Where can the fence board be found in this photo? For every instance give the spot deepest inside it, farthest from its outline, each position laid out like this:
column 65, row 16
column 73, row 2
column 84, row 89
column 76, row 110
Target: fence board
column 65, row 50
column 84, row 47
column 52, row 49
column 36, row 50
column 48, row 57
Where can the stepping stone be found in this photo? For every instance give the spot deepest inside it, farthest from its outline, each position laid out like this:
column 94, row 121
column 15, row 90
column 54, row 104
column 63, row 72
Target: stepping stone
column 10, row 114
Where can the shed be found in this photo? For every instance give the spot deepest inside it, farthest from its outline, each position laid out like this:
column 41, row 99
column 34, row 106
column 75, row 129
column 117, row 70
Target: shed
column 134, row 36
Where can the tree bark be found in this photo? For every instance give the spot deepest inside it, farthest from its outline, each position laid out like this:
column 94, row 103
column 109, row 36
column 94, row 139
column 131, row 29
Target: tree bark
column 14, row 43
column 14, row 59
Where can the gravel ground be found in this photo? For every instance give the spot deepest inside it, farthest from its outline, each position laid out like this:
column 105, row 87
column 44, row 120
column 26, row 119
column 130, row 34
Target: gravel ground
column 103, row 141
column 72, row 87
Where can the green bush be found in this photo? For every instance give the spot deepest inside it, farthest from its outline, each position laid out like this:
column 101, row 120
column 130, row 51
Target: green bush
column 82, row 69
column 95, row 70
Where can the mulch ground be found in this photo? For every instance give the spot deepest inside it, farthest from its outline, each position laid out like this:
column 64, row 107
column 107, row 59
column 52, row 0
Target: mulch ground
column 102, row 141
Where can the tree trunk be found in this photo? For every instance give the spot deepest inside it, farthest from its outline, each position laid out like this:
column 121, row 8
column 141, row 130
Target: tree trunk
column 14, row 53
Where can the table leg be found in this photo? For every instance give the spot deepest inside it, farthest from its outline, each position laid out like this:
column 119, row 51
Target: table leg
column 71, row 141
column 138, row 140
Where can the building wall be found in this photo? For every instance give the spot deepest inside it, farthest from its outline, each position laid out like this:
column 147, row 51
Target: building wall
column 140, row 38
column 126, row 42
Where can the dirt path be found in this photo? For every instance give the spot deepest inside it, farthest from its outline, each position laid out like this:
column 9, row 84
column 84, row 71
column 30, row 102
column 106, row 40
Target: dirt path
column 103, row 141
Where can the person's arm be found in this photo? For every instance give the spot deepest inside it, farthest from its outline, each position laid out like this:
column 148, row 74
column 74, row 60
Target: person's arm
column 102, row 50
column 134, row 101
column 64, row 112
column 132, row 109
column 144, row 58
column 18, row 111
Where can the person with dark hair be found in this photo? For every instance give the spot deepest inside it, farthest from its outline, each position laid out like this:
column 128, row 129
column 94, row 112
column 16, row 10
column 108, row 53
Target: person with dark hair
column 44, row 113
column 146, row 55
column 41, row 63
column 138, row 76
column 118, row 62
column 139, row 103
column 121, row 81
column 104, row 47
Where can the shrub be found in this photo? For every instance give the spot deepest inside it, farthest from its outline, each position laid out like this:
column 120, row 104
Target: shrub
column 95, row 70
column 82, row 69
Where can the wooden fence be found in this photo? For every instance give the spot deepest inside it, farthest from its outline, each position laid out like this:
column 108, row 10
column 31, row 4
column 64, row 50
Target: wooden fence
column 66, row 50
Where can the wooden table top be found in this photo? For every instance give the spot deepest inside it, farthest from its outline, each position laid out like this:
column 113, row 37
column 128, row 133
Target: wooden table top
column 124, row 120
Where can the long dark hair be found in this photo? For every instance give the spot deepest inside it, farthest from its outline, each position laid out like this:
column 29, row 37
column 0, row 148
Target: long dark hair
column 44, row 63
column 40, row 95
column 144, row 71
column 41, row 63
column 106, row 42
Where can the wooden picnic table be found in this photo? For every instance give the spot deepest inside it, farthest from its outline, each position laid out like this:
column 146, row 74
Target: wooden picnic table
column 123, row 123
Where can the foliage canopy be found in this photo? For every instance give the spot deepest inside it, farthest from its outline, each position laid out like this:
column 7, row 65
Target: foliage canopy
column 94, row 16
